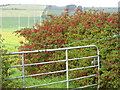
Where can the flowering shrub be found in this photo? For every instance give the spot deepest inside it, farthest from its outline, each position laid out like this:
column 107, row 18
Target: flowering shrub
column 84, row 28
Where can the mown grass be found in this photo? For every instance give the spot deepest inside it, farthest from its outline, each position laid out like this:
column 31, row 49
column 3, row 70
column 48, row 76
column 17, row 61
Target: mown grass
column 10, row 41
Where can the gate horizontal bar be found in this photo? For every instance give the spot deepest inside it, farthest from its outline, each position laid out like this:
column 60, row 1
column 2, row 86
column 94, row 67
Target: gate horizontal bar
column 61, row 81
column 82, row 68
column 82, row 77
column 84, row 86
column 53, row 61
column 54, row 72
column 47, row 50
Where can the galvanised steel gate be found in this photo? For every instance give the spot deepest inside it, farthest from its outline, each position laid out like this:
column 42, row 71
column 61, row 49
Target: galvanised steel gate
column 66, row 70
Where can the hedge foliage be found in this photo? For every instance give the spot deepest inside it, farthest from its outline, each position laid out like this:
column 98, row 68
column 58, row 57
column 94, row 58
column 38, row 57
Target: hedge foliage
column 83, row 28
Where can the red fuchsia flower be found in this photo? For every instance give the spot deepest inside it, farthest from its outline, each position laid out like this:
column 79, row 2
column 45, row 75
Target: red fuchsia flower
column 85, row 74
column 100, row 24
column 50, row 60
column 111, row 57
column 78, row 10
column 54, row 27
column 37, row 39
column 109, row 19
column 60, row 28
column 46, row 52
column 35, row 70
column 111, row 62
column 115, row 68
column 51, row 52
column 87, row 33
column 35, row 30
column 70, row 25
column 106, row 76
column 55, row 31
column 35, row 76
column 46, row 35
column 51, row 17
column 94, row 21
column 44, row 47
column 26, row 47
column 96, row 79
column 117, row 48
column 75, row 32
column 113, row 18
column 66, row 10
column 75, row 14
column 98, row 27
column 115, row 23
column 66, row 35
column 40, row 65
column 97, row 74
column 60, row 17
column 71, row 32
column 48, row 56
column 59, row 40
column 87, row 23
column 26, row 54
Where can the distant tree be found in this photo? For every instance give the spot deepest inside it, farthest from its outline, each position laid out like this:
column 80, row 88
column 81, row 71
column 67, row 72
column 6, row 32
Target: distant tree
column 71, row 7
column 49, row 7
column 79, row 7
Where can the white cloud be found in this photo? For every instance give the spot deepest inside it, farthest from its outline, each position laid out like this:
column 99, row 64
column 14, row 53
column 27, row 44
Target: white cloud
column 84, row 3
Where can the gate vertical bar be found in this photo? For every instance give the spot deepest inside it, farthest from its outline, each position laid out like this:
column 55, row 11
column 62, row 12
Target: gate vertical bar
column 67, row 68
column 98, row 52
column 23, row 70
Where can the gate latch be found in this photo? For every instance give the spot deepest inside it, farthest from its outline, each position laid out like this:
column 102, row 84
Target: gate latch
column 94, row 61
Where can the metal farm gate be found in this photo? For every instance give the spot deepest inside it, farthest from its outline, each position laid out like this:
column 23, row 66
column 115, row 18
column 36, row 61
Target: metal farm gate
column 66, row 70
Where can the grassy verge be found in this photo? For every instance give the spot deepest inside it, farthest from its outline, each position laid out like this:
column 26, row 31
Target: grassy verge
column 31, row 81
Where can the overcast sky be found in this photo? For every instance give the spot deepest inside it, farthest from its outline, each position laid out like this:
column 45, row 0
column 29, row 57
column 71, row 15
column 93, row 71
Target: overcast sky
column 84, row 3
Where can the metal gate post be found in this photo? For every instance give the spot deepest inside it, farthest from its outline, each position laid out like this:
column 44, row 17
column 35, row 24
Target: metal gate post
column 98, row 52
column 23, row 70
column 67, row 68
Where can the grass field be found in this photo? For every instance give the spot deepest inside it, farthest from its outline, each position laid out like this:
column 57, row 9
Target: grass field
column 14, row 17
column 23, row 10
column 13, row 23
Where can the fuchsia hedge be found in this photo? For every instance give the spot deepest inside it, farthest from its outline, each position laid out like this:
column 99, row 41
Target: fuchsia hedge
column 82, row 28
